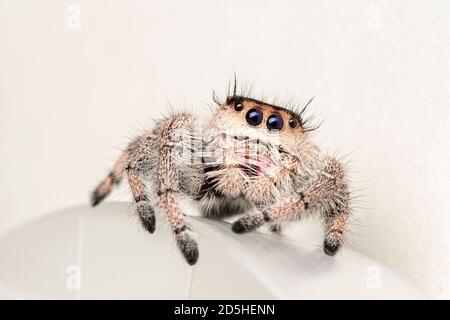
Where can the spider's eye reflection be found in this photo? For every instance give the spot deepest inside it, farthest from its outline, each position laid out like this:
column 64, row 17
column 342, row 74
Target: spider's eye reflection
column 275, row 122
column 238, row 106
column 254, row 117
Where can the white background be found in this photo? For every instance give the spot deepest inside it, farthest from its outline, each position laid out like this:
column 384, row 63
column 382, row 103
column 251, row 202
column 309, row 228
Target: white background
column 70, row 97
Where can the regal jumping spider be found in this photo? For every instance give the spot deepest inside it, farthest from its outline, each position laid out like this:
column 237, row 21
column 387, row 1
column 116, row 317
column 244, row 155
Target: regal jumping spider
column 250, row 157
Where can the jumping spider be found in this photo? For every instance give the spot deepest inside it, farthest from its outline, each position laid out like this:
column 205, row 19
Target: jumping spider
column 250, row 157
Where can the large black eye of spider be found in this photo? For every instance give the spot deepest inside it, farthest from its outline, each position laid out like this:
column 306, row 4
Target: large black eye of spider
column 293, row 123
column 238, row 106
column 275, row 122
column 254, row 117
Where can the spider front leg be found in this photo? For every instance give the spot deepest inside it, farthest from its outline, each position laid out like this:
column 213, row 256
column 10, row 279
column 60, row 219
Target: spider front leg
column 288, row 209
column 156, row 153
column 293, row 209
column 326, row 193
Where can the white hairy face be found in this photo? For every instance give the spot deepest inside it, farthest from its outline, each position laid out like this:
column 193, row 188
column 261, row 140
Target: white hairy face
column 251, row 143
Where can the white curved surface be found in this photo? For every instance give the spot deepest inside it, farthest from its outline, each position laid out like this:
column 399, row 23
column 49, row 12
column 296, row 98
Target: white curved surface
column 117, row 259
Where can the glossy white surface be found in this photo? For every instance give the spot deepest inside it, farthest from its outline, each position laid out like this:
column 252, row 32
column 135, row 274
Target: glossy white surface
column 118, row 259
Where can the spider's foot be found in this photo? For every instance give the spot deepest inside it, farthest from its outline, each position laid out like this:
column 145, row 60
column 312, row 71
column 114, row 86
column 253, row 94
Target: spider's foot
column 330, row 248
column 97, row 196
column 147, row 215
column 247, row 223
column 276, row 228
column 188, row 246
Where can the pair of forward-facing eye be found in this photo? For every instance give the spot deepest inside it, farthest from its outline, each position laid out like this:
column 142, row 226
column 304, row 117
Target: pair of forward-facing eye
column 255, row 117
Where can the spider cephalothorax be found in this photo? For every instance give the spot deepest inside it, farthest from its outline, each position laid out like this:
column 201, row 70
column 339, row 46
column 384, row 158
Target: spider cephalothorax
column 249, row 157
